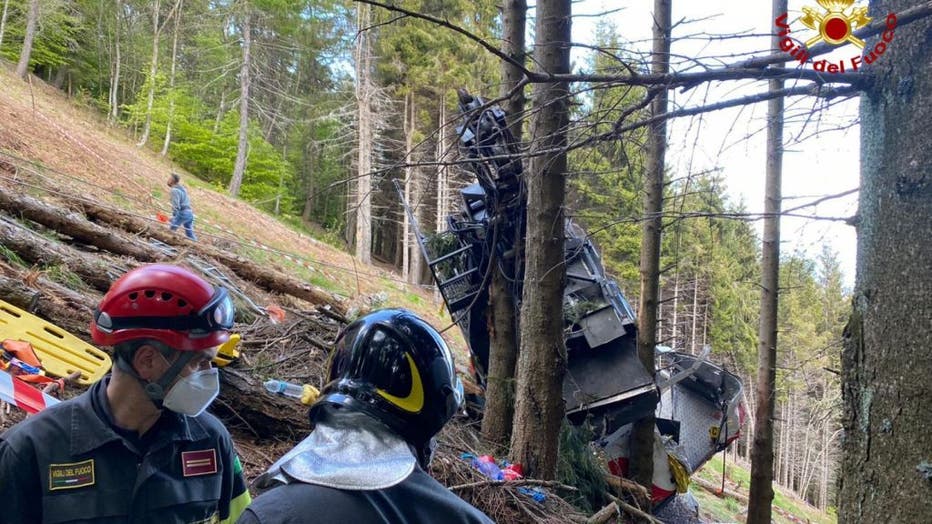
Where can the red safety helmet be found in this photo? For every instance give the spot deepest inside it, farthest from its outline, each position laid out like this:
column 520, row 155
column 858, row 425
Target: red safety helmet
column 165, row 303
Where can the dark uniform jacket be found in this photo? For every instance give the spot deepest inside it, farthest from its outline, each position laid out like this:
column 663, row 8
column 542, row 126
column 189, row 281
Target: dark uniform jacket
column 70, row 463
column 417, row 499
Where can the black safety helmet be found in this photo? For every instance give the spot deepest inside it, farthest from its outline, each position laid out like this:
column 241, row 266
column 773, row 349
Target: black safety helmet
column 396, row 368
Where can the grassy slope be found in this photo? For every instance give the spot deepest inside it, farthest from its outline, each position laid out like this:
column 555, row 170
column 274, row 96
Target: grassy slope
column 738, row 479
column 79, row 155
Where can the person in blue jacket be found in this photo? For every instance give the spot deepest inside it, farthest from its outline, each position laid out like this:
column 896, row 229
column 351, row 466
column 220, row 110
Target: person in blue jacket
column 182, row 214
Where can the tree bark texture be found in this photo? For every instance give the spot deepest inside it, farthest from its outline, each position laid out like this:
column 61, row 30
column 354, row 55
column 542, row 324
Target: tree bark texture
column 115, row 68
column 239, row 168
column 886, row 468
column 642, row 438
column 153, row 69
column 52, row 301
column 366, row 138
column 32, row 19
column 36, row 249
column 171, row 81
column 539, row 408
column 498, row 417
column 761, row 492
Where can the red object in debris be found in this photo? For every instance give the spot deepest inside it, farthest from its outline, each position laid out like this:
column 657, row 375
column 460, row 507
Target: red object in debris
column 276, row 314
column 513, row 472
column 161, row 218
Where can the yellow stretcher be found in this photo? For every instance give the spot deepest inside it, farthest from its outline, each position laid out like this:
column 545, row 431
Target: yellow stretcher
column 61, row 352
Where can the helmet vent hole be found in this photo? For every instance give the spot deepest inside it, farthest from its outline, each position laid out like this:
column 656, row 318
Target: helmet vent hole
column 133, row 295
column 166, row 296
column 182, row 303
column 150, row 293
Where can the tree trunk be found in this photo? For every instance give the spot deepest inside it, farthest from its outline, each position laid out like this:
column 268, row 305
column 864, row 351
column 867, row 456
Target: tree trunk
column 642, row 438
column 408, row 247
column 539, row 406
column 244, row 77
column 761, row 493
column 695, row 315
column 366, row 137
column 676, row 306
column 886, row 469
column 22, row 68
column 498, row 417
column 171, row 82
column 6, row 4
column 153, row 69
column 115, row 70
column 221, row 109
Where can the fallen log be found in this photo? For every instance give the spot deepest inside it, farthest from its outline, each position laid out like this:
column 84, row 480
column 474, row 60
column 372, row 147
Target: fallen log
column 717, row 491
column 246, row 269
column 56, row 303
column 36, row 249
column 76, row 226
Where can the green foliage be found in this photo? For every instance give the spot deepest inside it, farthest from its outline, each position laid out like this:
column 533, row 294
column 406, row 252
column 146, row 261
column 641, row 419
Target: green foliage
column 56, row 33
column 606, row 180
column 579, row 466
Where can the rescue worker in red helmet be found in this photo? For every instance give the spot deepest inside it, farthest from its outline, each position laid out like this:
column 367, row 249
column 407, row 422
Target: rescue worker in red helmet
column 137, row 446
column 392, row 387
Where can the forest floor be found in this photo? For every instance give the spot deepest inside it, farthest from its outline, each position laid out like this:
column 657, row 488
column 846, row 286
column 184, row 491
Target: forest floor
column 61, row 149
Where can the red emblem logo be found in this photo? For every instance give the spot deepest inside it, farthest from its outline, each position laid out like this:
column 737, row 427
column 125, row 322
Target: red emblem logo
column 194, row 463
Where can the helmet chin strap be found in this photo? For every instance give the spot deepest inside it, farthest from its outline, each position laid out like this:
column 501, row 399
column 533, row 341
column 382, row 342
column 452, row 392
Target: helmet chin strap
column 157, row 390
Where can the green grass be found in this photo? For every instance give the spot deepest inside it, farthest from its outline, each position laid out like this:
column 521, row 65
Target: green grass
column 414, row 298
column 730, row 510
column 12, row 257
column 61, row 274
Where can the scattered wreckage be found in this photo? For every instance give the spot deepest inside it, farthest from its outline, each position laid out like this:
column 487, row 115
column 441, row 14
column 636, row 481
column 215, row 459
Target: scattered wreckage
column 697, row 403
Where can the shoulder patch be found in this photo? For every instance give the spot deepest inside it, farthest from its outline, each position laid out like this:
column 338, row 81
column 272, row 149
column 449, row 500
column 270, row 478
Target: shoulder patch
column 195, row 463
column 70, row 476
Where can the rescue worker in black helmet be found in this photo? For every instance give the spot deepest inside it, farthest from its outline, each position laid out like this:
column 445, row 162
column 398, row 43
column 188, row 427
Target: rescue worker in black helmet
column 392, row 387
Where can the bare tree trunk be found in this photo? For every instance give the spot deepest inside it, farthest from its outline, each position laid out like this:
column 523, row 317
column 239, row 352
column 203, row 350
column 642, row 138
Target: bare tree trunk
column 366, row 140
column 498, row 417
column 117, row 64
column 886, row 469
column 6, row 4
column 220, row 110
column 642, row 438
column 441, row 169
column 22, row 68
column 761, row 493
column 153, row 69
column 310, row 152
column 539, row 406
column 676, row 306
column 406, row 244
column 171, row 81
column 244, row 80
column 695, row 315
column 823, row 484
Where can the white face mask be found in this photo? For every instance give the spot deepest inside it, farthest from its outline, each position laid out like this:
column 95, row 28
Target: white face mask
column 192, row 394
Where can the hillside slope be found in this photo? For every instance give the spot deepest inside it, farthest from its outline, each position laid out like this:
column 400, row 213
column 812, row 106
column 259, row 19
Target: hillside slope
column 76, row 155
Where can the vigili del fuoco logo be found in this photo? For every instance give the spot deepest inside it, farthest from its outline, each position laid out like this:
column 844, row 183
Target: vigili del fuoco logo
column 835, row 23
